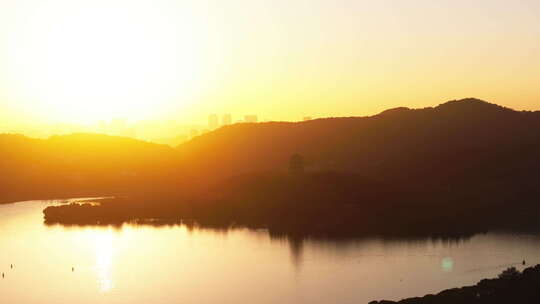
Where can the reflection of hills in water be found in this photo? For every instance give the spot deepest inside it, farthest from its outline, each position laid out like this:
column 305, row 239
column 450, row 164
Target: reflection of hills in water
column 337, row 237
column 297, row 242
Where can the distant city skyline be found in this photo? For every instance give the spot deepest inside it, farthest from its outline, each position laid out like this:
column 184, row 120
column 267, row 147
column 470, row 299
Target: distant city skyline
column 171, row 132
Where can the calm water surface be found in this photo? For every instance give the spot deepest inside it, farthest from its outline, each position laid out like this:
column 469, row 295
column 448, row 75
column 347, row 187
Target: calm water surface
column 144, row 264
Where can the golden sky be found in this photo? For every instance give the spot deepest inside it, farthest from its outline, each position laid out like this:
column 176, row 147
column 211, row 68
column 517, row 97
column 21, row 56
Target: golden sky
column 82, row 61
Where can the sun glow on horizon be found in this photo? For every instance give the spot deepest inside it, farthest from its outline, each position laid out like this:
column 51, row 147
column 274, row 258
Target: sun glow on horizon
column 87, row 63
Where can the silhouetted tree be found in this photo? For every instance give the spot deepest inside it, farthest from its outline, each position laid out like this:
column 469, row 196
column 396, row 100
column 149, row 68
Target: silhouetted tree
column 509, row 273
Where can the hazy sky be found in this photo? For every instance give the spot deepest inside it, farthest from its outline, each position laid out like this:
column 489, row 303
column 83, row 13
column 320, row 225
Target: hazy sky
column 87, row 60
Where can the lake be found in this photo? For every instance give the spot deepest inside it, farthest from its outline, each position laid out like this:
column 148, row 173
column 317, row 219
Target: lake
column 178, row 264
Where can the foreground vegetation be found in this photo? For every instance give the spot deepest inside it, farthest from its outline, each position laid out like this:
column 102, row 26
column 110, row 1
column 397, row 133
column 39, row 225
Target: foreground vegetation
column 510, row 287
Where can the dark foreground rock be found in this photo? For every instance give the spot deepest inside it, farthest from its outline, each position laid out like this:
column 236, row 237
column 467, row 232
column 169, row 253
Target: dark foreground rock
column 510, row 287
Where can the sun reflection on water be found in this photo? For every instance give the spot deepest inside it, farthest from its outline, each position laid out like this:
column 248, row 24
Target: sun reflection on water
column 104, row 249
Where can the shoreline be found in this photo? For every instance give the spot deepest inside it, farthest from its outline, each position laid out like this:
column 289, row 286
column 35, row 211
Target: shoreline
column 73, row 197
column 511, row 286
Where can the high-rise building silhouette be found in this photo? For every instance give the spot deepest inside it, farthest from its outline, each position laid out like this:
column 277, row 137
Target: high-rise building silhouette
column 226, row 119
column 213, row 121
column 250, row 118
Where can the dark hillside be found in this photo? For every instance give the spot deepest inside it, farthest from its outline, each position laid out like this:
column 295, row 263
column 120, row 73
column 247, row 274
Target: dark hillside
column 431, row 144
column 82, row 164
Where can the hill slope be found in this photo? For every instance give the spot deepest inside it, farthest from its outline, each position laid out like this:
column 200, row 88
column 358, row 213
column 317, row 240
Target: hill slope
column 80, row 164
column 465, row 137
column 484, row 150
column 461, row 167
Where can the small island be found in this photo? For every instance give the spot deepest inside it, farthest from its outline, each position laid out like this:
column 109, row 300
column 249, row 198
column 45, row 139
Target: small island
column 308, row 204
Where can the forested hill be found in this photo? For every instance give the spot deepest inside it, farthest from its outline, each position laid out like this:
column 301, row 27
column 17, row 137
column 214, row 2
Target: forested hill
column 465, row 143
column 467, row 138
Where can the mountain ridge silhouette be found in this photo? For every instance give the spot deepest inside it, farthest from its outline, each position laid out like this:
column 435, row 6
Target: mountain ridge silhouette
column 454, row 143
column 371, row 144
